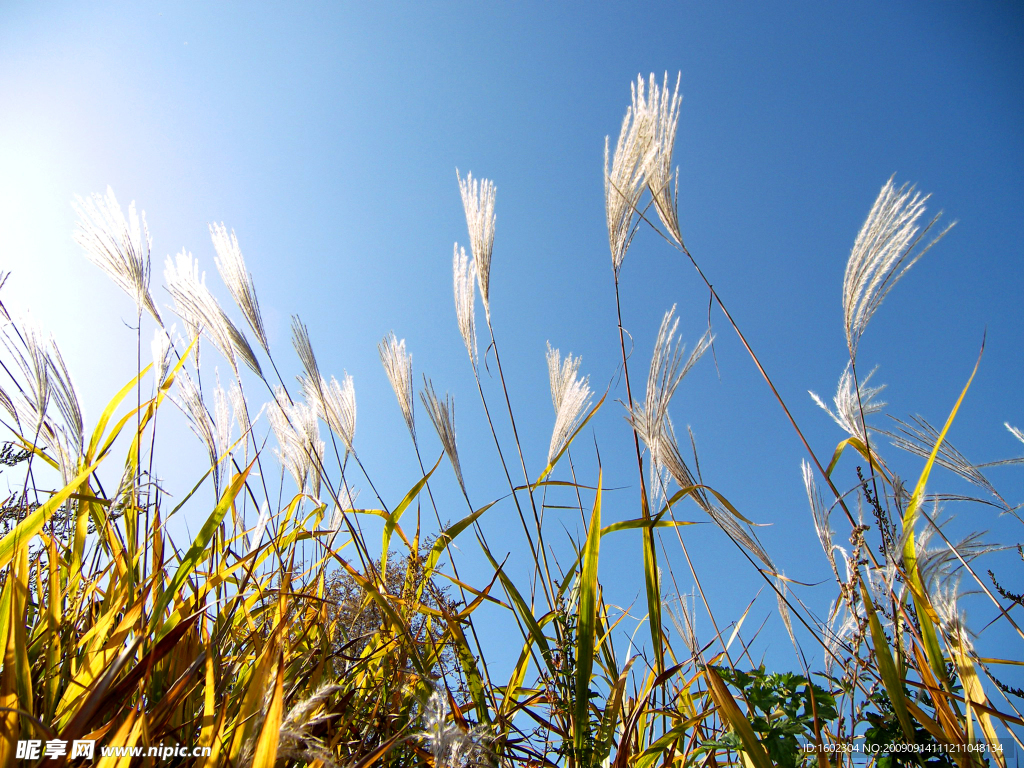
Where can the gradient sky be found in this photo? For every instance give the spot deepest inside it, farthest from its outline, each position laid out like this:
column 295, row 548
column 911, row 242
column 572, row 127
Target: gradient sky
column 328, row 136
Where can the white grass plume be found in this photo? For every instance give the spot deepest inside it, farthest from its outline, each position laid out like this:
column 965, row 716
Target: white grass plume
column 398, row 367
column 300, row 448
column 464, row 277
column 339, row 406
column 682, row 611
column 850, row 406
column 624, row 177
column 1014, row 431
column 478, row 202
column 213, row 429
column 820, row 513
column 888, row 244
column 335, row 403
column 442, row 416
column 160, row 347
column 663, row 118
column 570, row 395
column 347, row 496
column 238, row 280
column 198, row 308
column 256, row 534
column 666, row 373
column 450, row 745
column 118, row 246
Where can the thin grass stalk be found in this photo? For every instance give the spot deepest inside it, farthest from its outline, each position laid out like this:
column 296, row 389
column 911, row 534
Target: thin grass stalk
column 548, row 582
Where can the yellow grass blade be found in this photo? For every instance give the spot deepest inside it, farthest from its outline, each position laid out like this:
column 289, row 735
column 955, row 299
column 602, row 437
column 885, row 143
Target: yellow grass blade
column 924, row 609
column 736, row 719
column 266, row 748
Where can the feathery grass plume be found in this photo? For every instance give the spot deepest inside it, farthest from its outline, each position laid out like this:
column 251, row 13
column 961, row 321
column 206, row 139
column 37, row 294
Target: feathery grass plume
column 238, row 280
column 347, row 496
column 666, row 372
column 198, row 308
column 297, row 741
column 450, row 745
column 65, row 396
column 886, row 247
column 442, row 416
column 478, row 201
column 821, row 515
column 398, row 367
column 663, row 118
column 118, row 246
column 336, row 404
column 212, row 428
column 682, row 609
column 937, row 560
column 624, row 177
column 339, row 405
column 239, row 408
column 300, row 448
column 160, row 347
column 29, row 349
column 304, row 349
column 851, row 408
column 1014, row 431
column 464, row 272
column 952, row 620
column 570, row 396
column 256, row 535
column 920, row 440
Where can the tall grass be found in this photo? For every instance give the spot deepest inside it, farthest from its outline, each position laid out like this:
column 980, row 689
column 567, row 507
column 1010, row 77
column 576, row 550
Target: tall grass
column 282, row 634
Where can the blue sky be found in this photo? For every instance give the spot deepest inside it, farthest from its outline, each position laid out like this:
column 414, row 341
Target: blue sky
column 328, row 136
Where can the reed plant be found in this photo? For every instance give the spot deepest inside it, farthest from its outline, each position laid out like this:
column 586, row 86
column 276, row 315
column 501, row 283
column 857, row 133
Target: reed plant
column 282, row 634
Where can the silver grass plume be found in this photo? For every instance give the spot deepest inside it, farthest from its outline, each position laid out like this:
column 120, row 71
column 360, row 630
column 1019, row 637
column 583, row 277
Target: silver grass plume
column 118, row 246
column 570, row 396
column 336, row 405
column 937, row 560
column 347, row 496
column 239, row 408
column 851, row 408
column 450, row 745
column 821, row 515
column 398, row 367
column 209, row 428
column 300, row 448
column 888, row 244
column 29, row 349
column 624, row 176
column 464, row 273
column 442, row 416
column 256, row 535
column 46, row 380
column 198, row 308
column 236, row 277
column 478, row 202
column 666, row 372
column 920, row 438
column 682, row 611
column 65, row 396
column 663, row 118
column 160, row 346
column 296, row 739
column 1014, row 431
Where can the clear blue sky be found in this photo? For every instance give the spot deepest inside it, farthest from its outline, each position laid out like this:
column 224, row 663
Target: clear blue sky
column 328, row 136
